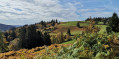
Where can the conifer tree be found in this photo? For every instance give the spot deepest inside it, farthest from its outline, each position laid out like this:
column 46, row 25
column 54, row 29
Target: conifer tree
column 114, row 23
column 68, row 32
column 56, row 21
column 47, row 40
column 3, row 46
column 78, row 24
column 31, row 38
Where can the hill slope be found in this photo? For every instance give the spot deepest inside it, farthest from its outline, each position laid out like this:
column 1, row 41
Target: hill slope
column 4, row 27
column 30, row 54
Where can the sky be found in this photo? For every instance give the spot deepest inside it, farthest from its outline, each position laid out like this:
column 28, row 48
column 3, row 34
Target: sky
column 20, row 12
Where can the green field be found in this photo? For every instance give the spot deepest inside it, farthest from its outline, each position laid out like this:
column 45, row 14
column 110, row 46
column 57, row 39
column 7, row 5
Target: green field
column 82, row 23
column 73, row 23
column 69, row 42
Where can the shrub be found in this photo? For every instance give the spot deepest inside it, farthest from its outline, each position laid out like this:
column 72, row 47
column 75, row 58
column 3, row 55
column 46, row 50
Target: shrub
column 60, row 37
column 109, row 30
column 92, row 28
column 67, row 38
column 88, row 46
column 15, row 44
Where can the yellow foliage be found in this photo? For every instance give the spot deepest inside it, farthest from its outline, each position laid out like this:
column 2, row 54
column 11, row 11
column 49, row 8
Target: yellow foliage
column 32, row 53
column 106, row 46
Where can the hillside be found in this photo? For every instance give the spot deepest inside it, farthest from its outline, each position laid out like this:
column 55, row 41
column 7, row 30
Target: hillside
column 30, row 54
column 61, row 40
column 4, row 27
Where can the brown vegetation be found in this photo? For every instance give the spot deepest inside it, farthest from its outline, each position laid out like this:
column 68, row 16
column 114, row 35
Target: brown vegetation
column 29, row 54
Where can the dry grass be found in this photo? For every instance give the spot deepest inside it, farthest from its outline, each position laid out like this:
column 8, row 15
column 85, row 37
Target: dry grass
column 29, row 54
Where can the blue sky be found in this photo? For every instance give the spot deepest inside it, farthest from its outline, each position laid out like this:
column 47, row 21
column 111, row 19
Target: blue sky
column 20, row 12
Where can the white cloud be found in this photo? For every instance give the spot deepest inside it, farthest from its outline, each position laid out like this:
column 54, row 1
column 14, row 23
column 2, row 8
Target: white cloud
column 31, row 11
column 36, row 10
column 94, row 10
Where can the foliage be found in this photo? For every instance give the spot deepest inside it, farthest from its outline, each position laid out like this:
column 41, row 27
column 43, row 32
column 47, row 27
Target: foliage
column 15, row 44
column 92, row 28
column 60, row 38
column 68, row 32
column 3, row 45
column 114, row 22
column 109, row 30
column 31, row 38
column 88, row 46
column 68, row 38
column 78, row 24
column 99, row 19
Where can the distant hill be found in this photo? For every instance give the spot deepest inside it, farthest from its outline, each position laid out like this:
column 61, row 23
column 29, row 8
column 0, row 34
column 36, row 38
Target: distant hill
column 17, row 25
column 4, row 27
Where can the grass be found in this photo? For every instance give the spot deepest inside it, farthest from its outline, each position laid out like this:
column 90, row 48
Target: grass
column 76, row 32
column 100, row 23
column 74, row 23
column 71, row 23
column 69, row 42
column 102, row 28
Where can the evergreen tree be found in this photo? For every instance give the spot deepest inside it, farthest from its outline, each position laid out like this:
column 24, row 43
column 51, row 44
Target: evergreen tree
column 108, row 30
column 6, row 35
column 105, row 21
column 22, row 36
column 78, row 24
column 47, row 40
column 31, row 38
column 96, row 21
column 13, row 34
column 3, row 46
column 68, row 32
column 114, row 23
column 53, row 24
column 56, row 21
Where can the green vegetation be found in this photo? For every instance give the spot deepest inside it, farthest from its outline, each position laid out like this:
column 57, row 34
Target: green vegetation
column 78, row 24
column 95, row 38
column 88, row 46
column 68, row 32
column 114, row 23
column 3, row 45
column 69, row 42
column 102, row 28
column 71, row 23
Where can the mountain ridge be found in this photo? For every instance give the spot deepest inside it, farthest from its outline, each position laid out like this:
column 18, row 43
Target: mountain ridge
column 4, row 27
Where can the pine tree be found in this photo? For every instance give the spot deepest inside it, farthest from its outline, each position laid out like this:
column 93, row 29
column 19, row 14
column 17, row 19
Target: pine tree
column 31, row 38
column 78, row 24
column 53, row 23
column 105, row 21
column 47, row 40
column 96, row 21
column 13, row 34
column 22, row 36
column 56, row 21
column 114, row 23
column 68, row 32
column 3, row 46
